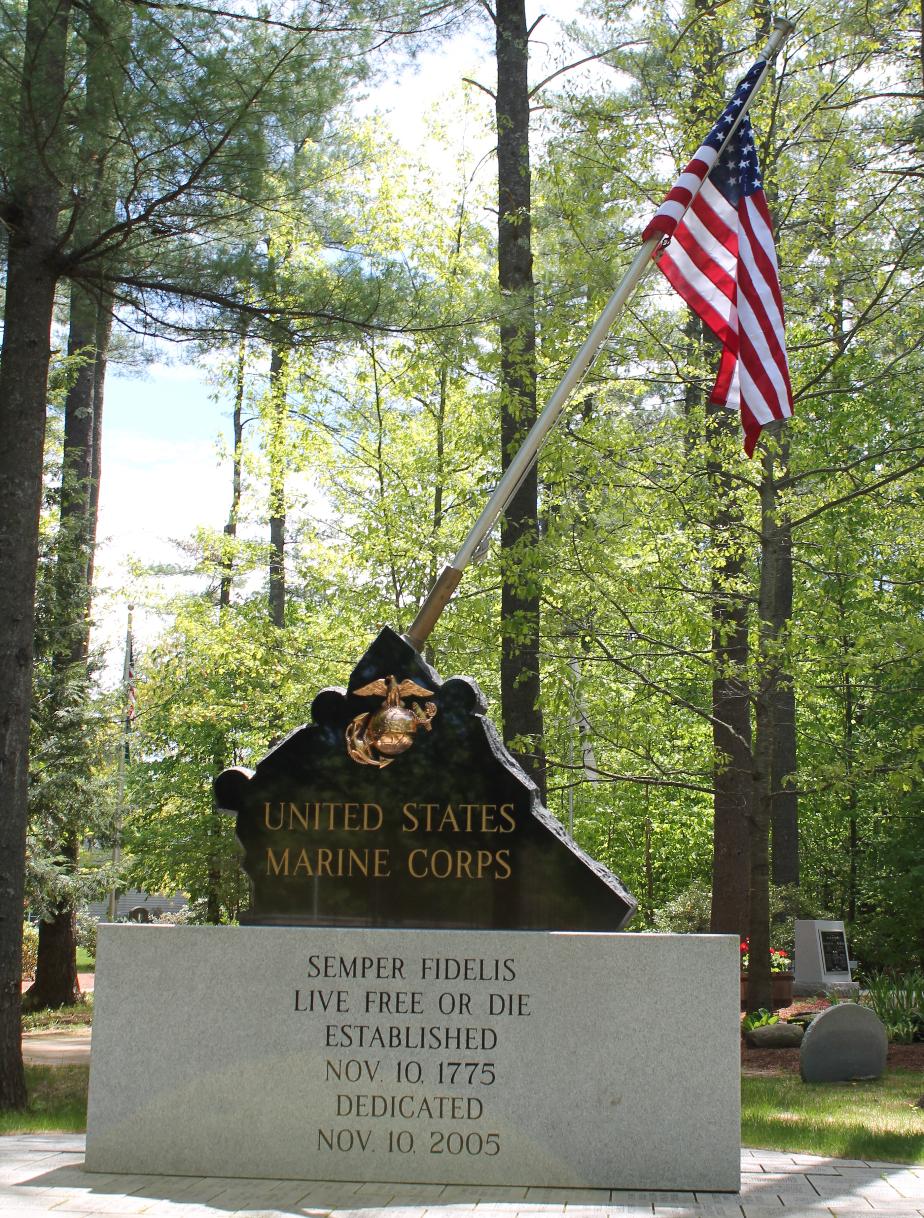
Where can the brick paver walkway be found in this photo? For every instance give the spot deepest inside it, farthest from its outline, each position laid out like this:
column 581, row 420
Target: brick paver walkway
column 42, row 1175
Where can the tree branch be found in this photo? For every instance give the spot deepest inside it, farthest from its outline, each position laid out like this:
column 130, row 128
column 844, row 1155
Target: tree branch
column 858, row 492
column 484, row 88
column 580, row 62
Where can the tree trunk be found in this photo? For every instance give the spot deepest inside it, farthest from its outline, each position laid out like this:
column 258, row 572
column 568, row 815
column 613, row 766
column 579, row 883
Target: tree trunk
column 775, row 610
column 784, row 810
column 224, row 593
column 731, row 705
column 103, row 334
column 213, row 833
column 30, row 287
column 439, row 472
column 852, row 837
column 76, row 528
column 220, row 760
column 277, row 493
column 90, row 327
column 760, row 985
column 56, row 982
column 784, row 813
column 520, row 591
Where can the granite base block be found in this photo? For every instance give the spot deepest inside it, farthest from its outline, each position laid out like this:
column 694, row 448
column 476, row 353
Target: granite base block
column 462, row 1057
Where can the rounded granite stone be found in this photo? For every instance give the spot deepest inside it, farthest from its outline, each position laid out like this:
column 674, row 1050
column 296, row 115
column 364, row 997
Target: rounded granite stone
column 844, row 1042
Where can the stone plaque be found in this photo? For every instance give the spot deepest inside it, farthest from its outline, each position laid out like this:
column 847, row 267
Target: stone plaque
column 466, row 1057
column 834, row 951
column 398, row 806
column 821, row 958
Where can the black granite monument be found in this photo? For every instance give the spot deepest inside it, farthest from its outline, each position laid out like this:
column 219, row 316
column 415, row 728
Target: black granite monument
column 399, row 806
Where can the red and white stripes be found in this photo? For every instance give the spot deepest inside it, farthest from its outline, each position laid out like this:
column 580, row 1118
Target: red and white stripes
column 677, row 200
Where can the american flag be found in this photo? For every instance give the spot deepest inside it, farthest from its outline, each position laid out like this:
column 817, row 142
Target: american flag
column 721, row 260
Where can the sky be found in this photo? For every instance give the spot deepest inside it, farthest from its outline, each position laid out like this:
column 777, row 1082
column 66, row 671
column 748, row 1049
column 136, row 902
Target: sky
column 162, row 473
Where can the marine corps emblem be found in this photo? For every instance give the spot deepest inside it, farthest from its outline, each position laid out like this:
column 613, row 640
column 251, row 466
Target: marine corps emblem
column 378, row 737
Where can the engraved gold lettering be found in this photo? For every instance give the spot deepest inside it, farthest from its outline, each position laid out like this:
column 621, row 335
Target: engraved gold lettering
column 418, row 875
column 302, row 862
column 464, row 865
column 411, row 823
column 274, row 866
column 266, row 816
column 372, row 820
column 359, row 862
column 443, row 869
column 467, row 810
column 506, row 815
column 448, row 819
column 501, row 859
column 296, row 814
column 350, row 816
column 381, row 868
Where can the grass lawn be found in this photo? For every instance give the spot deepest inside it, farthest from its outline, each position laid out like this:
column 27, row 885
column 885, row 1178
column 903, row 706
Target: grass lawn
column 85, row 962
column 844, row 1120
column 78, row 1016
column 57, row 1101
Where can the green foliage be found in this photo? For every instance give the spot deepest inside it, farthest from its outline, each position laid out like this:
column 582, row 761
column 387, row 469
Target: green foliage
column 898, row 1000
column 758, row 1019
column 87, row 927
column 29, row 949
column 688, row 913
column 203, row 696
column 788, row 902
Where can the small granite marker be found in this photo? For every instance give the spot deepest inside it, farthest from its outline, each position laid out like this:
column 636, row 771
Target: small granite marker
column 845, row 1042
column 822, row 959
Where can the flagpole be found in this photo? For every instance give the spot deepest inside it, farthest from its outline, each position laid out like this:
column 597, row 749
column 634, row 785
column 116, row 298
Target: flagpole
column 441, row 592
column 120, row 771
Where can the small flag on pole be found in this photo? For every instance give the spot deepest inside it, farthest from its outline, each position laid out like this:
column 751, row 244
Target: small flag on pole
column 721, row 259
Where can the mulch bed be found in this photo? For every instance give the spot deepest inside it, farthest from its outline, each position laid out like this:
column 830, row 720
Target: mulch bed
column 786, row 1061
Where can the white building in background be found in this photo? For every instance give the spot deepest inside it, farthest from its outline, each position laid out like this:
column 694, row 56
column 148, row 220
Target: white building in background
column 154, row 904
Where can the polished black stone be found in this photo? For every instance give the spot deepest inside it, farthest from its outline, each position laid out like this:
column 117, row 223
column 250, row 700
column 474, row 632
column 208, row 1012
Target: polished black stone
column 449, row 834
column 834, row 951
